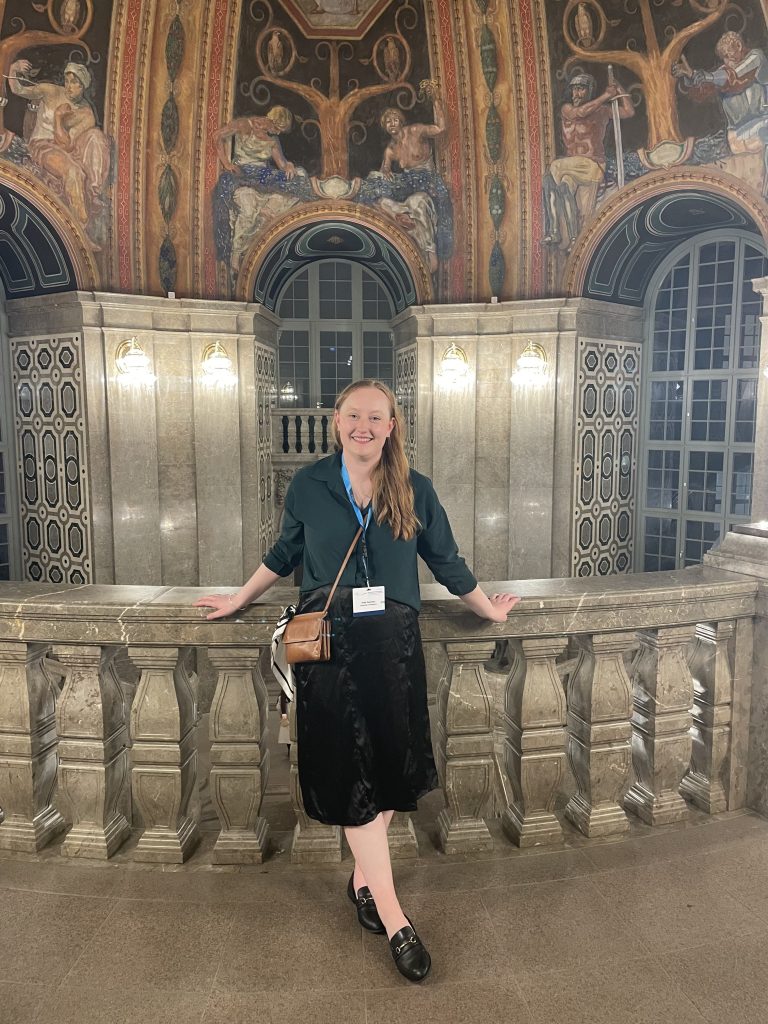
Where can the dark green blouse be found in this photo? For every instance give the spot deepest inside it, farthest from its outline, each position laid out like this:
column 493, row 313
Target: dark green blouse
column 319, row 524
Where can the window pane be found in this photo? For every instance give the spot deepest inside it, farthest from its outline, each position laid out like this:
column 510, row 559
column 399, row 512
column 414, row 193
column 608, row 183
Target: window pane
column 741, row 483
column 714, row 306
column 746, row 399
column 666, row 410
column 335, row 364
column 293, row 370
column 295, row 301
column 5, row 547
column 376, row 304
column 378, row 355
column 699, row 538
column 335, row 287
column 755, row 266
column 708, row 410
column 663, row 483
column 670, row 320
column 705, row 482
column 660, row 544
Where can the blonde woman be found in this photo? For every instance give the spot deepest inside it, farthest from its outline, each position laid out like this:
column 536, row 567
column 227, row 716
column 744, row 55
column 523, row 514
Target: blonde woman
column 363, row 728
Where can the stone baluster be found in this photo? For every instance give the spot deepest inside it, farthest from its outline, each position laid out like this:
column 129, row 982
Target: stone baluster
column 313, row 842
column 661, row 722
column 239, row 755
column 710, row 664
column 27, row 749
column 600, row 733
column 164, row 754
column 403, row 844
column 465, row 747
column 93, row 752
column 535, row 740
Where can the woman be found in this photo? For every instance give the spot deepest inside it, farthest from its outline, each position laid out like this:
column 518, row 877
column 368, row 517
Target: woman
column 362, row 721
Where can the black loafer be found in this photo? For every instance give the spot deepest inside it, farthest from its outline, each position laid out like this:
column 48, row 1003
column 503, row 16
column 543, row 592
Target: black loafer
column 410, row 956
column 367, row 914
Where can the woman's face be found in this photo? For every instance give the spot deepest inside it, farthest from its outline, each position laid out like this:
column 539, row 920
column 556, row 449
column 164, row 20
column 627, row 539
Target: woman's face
column 363, row 423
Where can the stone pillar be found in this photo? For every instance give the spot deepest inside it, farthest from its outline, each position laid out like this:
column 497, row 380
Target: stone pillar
column 710, row 664
column 93, row 752
column 239, row 755
column 27, row 749
column 164, row 754
column 535, row 742
column 313, row 842
column 465, row 747
column 661, row 739
column 600, row 733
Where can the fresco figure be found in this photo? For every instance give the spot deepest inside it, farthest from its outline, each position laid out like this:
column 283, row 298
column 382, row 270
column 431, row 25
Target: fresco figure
column 258, row 182
column 572, row 182
column 64, row 140
column 741, row 83
column 408, row 186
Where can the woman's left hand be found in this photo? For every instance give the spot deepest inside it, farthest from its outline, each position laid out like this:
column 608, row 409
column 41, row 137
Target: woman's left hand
column 502, row 605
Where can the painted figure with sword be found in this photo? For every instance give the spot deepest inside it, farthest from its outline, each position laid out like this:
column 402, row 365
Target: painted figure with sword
column 572, row 182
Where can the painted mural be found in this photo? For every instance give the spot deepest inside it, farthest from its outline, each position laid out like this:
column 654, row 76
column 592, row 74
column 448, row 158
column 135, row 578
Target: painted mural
column 353, row 118
column 53, row 59
column 646, row 86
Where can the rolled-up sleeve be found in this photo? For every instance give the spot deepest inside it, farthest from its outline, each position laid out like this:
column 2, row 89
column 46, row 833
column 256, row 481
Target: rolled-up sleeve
column 436, row 545
column 287, row 552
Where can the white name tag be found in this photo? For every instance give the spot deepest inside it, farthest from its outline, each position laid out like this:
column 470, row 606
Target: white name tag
column 368, row 601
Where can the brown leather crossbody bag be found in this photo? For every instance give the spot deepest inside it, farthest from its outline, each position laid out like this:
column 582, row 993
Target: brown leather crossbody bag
column 307, row 637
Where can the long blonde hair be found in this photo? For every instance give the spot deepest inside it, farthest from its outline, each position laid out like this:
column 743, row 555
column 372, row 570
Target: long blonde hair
column 392, row 495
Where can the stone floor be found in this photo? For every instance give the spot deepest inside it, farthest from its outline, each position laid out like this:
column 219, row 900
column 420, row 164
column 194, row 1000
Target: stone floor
column 669, row 925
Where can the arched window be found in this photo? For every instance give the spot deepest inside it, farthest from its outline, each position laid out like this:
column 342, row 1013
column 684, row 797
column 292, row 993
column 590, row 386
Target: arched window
column 335, row 328
column 703, row 354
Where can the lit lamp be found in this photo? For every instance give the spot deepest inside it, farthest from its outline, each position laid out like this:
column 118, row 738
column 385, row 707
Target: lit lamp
column 216, row 364
column 454, row 366
column 532, row 366
column 133, row 362
column 288, row 393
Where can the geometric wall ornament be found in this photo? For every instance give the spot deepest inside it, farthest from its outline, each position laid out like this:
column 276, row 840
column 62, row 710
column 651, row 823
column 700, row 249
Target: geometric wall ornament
column 604, row 472
column 52, row 467
column 266, row 390
column 405, row 390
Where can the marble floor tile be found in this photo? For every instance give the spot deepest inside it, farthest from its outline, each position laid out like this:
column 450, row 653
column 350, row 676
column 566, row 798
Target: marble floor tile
column 670, row 905
column 174, row 947
column 287, row 946
column 484, row 1002
column 62, row 877
column 636, row 992
column 19, row 1002
column 74, row 1003
column 558, row 925
column 456, row 930
column 727, row 981
column 39, row 929
column 285, row 1008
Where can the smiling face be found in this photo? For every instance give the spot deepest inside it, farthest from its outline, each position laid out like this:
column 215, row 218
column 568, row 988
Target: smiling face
column 363, row 422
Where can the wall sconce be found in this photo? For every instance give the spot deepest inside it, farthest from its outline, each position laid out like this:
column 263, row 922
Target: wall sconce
column 216, row 364
column 454, row 366
column 532, row 366
column 132, row 362
column 288, row 393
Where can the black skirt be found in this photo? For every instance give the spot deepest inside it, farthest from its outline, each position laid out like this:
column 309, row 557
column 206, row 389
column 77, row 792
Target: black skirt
column 362, row 719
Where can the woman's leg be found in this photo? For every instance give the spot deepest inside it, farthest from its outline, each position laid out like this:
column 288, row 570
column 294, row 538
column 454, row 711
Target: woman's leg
column 370, row 849
column 359, row 876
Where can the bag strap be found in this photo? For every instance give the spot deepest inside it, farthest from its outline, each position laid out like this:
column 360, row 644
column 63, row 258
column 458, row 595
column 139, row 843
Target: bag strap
column 347, row 557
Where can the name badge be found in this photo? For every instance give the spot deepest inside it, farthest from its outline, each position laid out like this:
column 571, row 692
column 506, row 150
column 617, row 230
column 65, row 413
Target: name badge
column 368, row 601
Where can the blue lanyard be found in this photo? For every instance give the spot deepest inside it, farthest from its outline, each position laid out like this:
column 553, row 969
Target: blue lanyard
column 350, row 495
column 359, row 515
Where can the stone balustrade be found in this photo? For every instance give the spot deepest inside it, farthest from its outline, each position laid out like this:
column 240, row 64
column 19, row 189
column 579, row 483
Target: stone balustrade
column 596, row 700
column 304, row 432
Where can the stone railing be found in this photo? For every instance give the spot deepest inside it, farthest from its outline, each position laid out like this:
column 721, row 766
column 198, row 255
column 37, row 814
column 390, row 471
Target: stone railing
column 301, row 432
column 640, row 683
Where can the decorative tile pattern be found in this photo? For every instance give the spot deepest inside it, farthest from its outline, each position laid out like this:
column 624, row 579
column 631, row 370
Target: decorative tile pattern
column 405, row 388
column 50, row 427
column 606, row 461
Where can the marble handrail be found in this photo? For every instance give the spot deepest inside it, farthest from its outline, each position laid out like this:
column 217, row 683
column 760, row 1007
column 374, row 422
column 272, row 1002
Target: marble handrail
column 652, row 668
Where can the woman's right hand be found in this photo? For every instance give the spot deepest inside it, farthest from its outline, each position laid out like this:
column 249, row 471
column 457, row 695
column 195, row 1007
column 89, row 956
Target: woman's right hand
column 222, row 604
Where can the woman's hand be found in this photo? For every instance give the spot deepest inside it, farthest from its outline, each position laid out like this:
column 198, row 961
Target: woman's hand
column 502, row 605
column 222, row 604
